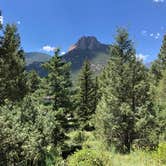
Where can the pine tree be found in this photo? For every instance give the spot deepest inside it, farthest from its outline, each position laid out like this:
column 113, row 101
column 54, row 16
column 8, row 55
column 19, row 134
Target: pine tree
column 125, row 109
column 12, row 68
column 86, row 96
column 58, row 88
column 33, row 81
column 58, row 82
column 161, row 101
column 159, row 65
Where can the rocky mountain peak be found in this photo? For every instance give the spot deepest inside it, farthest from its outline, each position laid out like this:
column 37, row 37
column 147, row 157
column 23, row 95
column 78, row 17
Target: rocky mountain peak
column 87, row 43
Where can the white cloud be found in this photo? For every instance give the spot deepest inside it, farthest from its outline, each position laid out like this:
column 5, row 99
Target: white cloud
column 18, row 22
column 141, row 56
column 48, row 48
column 158, row 1
column 62, row 53
column 151, row 35
column 155, row 35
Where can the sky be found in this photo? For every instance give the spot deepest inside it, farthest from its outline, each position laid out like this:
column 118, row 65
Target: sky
column 46, row 24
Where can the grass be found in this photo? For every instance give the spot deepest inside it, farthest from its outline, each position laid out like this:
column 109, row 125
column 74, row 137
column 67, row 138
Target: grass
column 137, row 158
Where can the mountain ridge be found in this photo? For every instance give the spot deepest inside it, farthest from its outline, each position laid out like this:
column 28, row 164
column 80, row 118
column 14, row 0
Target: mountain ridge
column 87, row 47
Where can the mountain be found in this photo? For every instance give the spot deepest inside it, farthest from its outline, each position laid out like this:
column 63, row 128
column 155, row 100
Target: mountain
column 34, row 60
column 32, row 57
column 87, row 48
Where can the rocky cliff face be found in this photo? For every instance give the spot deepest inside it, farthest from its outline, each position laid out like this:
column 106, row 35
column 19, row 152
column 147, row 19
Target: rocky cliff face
column 87, row 47
column 88, row 43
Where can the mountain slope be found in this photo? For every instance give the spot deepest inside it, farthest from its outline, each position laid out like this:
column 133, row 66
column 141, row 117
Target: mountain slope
column 32, row 57
column 87, row 48
column 34, row 60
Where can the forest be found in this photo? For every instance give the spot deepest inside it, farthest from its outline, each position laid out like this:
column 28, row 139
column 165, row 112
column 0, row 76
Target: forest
column 115, row 118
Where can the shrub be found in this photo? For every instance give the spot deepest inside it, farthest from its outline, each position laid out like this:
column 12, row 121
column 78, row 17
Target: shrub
column 88, row 157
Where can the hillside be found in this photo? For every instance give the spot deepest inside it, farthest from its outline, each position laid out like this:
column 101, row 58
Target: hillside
column 87, row 48
column 32, row 57
column 34, row 60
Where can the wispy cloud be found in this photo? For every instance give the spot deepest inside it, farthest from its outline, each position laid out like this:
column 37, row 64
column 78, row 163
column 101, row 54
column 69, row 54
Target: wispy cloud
column 48, row 48
column 158, row 1
column 141, row 56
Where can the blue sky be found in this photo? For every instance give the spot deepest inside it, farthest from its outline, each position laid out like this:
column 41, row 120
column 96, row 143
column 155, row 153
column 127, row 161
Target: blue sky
column 60, row 23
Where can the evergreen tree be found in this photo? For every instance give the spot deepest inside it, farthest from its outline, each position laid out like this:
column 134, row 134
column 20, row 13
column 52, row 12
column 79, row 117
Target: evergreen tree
column 12, row 66
column 161, row 101
column 87, row 94
column 125, row 110
column 58, row 88
column 33, row 81
column 159, row 65
column 58, row 82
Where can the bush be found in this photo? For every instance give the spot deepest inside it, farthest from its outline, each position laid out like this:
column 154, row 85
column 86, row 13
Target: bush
column 88, row 157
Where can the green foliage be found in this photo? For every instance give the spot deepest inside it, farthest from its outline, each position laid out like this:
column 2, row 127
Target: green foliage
column 39, row 117
column 12, row 66
column 25, row 133
column 161, row 102
column 126, row 110
column 57, row 88
column 88, row 157
column 53, row 157
column 58, row 83
column 33, row 81
column 135, row 158
column 161, row 152
column 86, row 96
column 159, row 65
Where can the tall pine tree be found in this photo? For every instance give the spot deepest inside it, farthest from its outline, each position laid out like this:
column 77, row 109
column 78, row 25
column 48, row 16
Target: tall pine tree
column 159, row 65
column 125, row 112
column 58, row 88
column 12, row 66
column 58, row 83
column 87, row 96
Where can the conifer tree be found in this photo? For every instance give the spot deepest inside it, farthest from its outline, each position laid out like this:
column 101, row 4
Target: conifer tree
column 125, row 110
column 12, row 66
column 159, row 65
column 58, row 88
column 33, row 81
column 161, row 101
column 58, row 82
column 87, row 95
